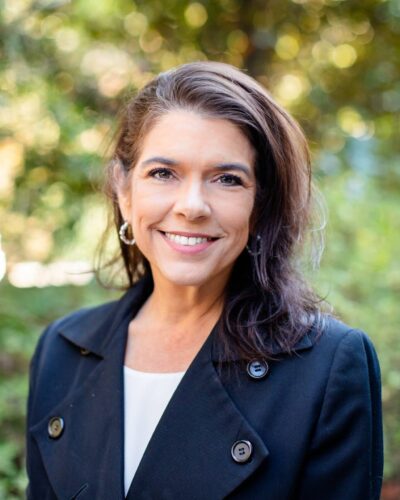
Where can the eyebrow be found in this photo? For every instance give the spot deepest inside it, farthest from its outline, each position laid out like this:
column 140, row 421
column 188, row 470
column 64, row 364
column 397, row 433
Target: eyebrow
column 219, row 166
column 159, row 159
column 234, row 166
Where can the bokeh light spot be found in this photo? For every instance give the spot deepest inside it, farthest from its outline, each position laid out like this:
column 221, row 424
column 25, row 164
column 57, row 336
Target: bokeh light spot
column 151, row 41
column 37, row 242
column 112, row 83
column 351, row 122
column 67, row 39
column 291, row 87
column 343, row 56
column 54, row 195
column 135, row 23
column 91, row 139
column 50, row 24
column 321, row 51
column 196, row 15
column 287, row 47
column 46, row 133
column 35, row 274
column 11, row 161
column 14, row 9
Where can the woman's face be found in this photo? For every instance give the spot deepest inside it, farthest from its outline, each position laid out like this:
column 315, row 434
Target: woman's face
column 190, row 197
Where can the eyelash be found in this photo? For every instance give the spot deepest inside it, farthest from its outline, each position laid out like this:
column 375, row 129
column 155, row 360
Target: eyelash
column 153, row 173
column 238, row 180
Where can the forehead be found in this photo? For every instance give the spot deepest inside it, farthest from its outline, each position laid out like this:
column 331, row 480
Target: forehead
column 188, row 134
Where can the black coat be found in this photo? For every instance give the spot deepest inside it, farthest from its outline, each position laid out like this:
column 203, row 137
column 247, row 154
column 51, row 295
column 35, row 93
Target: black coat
column 314, row 422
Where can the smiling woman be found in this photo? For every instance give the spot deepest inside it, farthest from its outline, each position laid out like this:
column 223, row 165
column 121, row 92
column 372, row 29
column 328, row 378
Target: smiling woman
column 216, row 375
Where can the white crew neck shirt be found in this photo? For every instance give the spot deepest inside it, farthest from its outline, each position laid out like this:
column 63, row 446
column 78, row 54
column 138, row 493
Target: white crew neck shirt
column 146, row 396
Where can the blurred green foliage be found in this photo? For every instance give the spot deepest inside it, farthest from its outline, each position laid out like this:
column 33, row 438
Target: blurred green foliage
column 66, row 68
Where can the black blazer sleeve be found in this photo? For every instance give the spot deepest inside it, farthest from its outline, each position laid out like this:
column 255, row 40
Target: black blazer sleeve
column 345, row 459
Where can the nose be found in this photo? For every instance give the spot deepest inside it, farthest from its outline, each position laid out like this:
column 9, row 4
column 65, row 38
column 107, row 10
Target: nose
column 192, row 201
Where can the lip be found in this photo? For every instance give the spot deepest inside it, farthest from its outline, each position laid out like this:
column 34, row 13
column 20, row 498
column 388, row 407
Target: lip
column 186, row 249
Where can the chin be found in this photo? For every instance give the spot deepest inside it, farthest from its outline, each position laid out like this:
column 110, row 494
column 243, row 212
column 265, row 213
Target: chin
column 187, row 277
column 185, row 280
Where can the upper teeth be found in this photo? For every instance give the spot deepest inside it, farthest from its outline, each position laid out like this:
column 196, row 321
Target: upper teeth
column 184, row 240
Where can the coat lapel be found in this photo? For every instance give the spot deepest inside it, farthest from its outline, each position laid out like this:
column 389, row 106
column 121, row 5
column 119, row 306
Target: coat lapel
column 87, row 457
column 86, row 461
column 189, row 454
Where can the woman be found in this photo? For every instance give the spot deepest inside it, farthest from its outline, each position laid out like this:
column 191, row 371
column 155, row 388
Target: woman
column 215, row 375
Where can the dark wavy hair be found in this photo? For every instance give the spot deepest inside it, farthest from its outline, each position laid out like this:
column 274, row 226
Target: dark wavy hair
column 267, row 302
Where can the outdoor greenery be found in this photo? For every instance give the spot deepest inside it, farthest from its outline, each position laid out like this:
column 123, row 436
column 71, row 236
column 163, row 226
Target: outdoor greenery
column 68, row 65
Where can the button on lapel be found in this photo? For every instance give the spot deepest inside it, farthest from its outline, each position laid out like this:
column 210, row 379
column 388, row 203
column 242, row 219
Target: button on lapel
column 241, row 451
column 257, row 368
column 55, row 427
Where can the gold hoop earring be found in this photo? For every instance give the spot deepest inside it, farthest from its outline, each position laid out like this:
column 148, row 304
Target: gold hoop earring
column 122, row 234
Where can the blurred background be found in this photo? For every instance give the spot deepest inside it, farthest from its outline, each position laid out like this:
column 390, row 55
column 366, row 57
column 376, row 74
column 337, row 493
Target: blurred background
column 66, row 67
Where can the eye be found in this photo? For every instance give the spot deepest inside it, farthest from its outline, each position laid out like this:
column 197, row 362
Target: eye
column 230, row 180
column 163, row 174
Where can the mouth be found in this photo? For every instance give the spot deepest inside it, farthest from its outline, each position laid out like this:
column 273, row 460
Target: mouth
column 188, row 239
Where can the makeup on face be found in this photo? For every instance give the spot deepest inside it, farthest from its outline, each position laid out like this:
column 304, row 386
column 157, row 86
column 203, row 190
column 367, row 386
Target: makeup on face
column 191, row 197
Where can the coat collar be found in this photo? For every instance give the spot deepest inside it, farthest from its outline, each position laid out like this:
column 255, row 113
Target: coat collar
column 86, row 329
column 90, row 328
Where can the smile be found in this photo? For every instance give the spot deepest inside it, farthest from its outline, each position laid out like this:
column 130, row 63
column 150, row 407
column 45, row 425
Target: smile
column 187, row 240
column 188, row 245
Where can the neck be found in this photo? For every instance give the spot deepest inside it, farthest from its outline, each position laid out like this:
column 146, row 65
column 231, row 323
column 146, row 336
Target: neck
column 181, row 305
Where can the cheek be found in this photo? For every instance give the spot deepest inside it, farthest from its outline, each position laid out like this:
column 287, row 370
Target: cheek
column 235, row 222
column 237, row 215
column 147, row 207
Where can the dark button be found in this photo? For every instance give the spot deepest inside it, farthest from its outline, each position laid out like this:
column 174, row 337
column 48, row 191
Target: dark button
column 84, row 351
column 55, row 427
column 257, row 368
column 241, row 451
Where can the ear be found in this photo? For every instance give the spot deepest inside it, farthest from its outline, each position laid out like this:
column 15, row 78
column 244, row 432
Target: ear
column 122, row 189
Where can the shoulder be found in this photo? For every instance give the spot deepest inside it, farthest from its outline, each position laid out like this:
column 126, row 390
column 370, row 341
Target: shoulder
column 67, row 335
column 78, row 320
column 59, row 362
column 83, row 317
column 332, row 334
column 90, row 328
column 344, row 371
column 346, row 355
column 334, row 354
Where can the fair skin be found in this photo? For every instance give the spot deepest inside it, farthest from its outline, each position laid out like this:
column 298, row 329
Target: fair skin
column 189, row 200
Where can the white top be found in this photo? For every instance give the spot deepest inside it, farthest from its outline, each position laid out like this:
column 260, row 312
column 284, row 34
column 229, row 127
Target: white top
column 146, row 397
